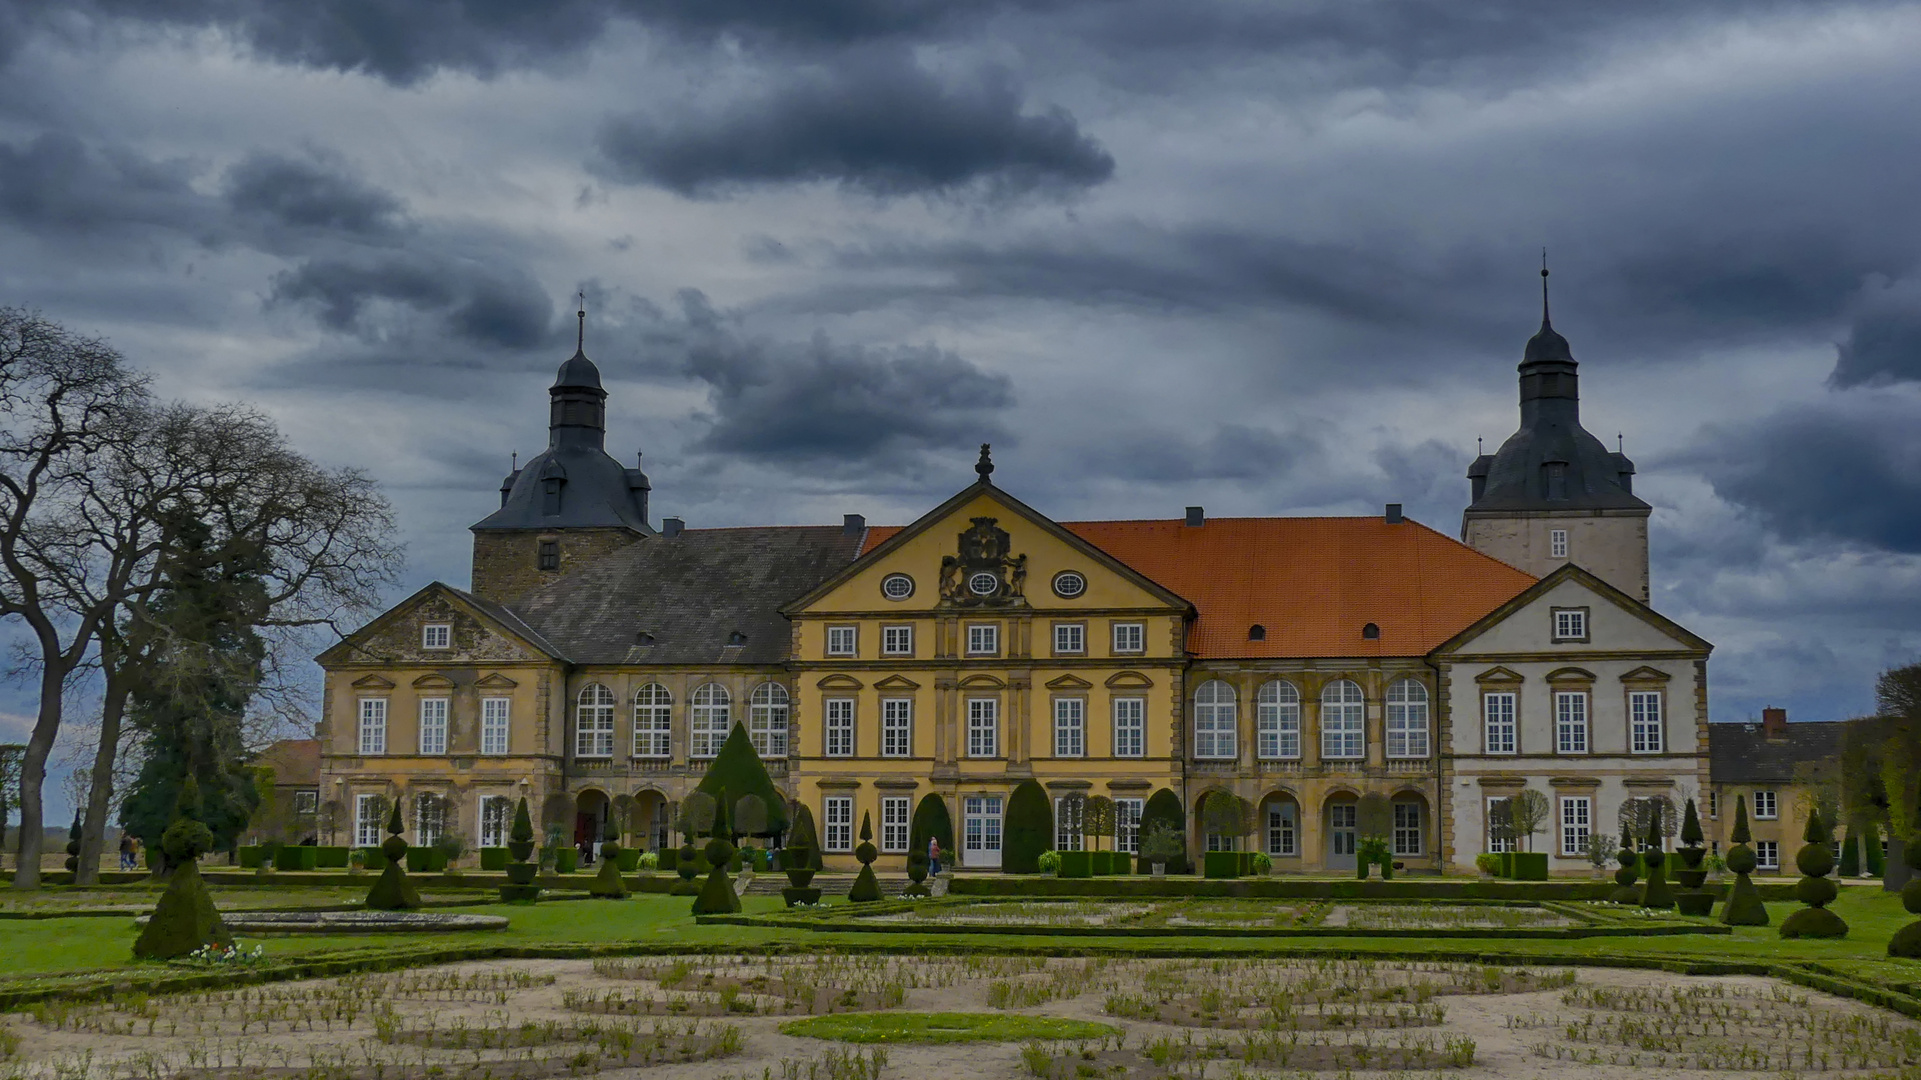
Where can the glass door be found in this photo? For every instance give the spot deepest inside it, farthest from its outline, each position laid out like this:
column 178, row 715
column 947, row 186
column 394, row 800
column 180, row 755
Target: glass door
column 1341, row 828
column 981, row 832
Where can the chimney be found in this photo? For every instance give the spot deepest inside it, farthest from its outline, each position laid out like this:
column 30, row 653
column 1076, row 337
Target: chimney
column 1774, row 722
column 853, row 524
column 671, row 527
column 1393, row 513
column 1196, row 516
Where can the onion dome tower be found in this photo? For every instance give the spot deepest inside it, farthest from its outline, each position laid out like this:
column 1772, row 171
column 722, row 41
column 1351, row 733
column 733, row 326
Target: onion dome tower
column 1553, row 493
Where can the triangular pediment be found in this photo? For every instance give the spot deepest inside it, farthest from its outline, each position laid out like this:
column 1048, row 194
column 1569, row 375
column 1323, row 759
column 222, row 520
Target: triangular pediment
column 1615, row 622
column 496, row 681
column 1128, row 680
column 1498, row 674
column 1070, row 682
column 840, row 682
column 479, row 631
column 373, row 682
column 896, row 682
column 1645, row 674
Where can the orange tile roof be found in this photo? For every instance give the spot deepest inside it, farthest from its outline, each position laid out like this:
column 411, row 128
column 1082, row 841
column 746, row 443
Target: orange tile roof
column 1313, row 582
column 295, row 762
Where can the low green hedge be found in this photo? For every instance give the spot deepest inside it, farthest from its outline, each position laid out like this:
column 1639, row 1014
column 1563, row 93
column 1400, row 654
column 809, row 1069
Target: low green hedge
column 330, row 858
column 296, row 857
column 426, row 860
column 494, row 859
column 1077, row 864
column 1287, row 887
column 1227, row 864
column 372, row 858
column 1527, row 865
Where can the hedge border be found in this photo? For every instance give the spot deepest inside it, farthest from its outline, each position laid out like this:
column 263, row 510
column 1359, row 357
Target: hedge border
column 1293, row 888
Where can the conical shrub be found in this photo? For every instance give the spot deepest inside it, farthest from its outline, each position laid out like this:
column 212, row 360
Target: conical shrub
column 1624, row 878
column 717, row 896
column 1693, row 899
column 1907, row 940
column 185, row 919
column 1850, row 854
column 1872, row 860
column 1815, row 889
column 522, row 871
column 394, row 891
column 866, row 889
column 1656, row 894
column 1029, row 829
column 607, row 883
column 1744, row 906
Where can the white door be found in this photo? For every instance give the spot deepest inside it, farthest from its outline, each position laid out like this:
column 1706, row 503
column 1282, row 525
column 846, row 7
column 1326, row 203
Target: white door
column 1341, row 827
column 981, row 832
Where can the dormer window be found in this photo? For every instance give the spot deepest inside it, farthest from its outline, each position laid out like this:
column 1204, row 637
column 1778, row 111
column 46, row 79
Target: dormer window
column 1554, row 479
column 549, row 558
column 438, row 635
column 1371, row 632
column 1257, row 632
column 736, row 638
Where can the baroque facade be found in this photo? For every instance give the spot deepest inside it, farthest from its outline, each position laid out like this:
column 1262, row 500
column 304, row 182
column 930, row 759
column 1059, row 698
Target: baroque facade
column 597, row 661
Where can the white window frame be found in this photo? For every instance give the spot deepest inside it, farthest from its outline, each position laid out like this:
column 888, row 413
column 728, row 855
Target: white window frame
column 1499, row 724
column 1129, row 638
column 837, row 727
column 1067, row 834
column 433, row 725
column 1570, row 624
column 653, row 722
column 373, row 726
column 306, row 802
column 709, row 719
column 1407, row 720
column 424, row 835
column 1343, row 721
column 843, row 640
column 1070, row 639
column 1070, row 727
column 1577, row 823
column 1216, row 721
column 1127, row 824
column 494, row 829
column 1557, row 543
column 437, row 636
column 1495, row 846
column 1773, row 811
column 1767, row 855
column 983, row 727
column 894, row 814
column 896, row 727
column 1277, row 721
column 1409, row 838
column 594, row 722
column 1647, row 721
column 496, row 725
column 367, row 827
column 837, row 817
column 983, row 639
column 897, row 640
column 1283, row 833
column 1130, row 727
column 1571, row 721
column 767, row 720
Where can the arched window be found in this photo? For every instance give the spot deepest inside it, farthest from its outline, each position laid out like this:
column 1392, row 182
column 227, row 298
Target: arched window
column 767, row 720
column 594, row 723
column 710, row 721
column 1277, row 720
column 1407, row 720
column 1343, row 721
column 653, row 722
column 1214, row 708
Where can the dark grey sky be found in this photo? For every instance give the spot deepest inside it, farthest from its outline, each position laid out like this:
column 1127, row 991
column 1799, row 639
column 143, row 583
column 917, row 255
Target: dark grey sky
column 1273, row 258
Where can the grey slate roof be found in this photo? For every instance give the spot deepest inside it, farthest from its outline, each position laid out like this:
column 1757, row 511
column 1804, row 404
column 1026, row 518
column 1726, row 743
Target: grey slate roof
column 511, row 620
column 691, row 593
column 1744, row 753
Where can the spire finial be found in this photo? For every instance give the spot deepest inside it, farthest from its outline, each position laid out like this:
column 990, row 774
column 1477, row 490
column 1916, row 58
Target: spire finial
column 516, row 465
column 1478, row 448
column 985, row 466
column 580, row 340
column 1544, row 321
column 1620, row 443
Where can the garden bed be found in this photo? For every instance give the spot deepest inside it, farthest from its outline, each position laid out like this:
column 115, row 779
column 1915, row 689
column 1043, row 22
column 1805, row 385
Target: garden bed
column 355, row 922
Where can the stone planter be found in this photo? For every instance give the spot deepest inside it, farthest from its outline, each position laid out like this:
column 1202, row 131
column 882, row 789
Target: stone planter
column 1159, row 869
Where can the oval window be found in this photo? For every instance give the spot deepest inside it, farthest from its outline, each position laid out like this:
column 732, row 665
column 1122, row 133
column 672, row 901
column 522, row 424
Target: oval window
column 897, row 586
column 1068, row 584
column 984, row 584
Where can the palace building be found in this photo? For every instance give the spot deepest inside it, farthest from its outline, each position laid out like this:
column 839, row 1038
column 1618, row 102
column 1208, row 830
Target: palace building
column 597, row 661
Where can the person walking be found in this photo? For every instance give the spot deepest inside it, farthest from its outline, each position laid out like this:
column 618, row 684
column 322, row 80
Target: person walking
column 933, row 855
column 126, row 852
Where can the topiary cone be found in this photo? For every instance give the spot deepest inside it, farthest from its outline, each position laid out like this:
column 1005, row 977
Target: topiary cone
column 1815, row 889
column 185, row 918
column 717, row 896
column 866, row 887
column 1624, row 878
column 607, row 883
column 393, row 892
column 1744, row 906
column 1656, row 894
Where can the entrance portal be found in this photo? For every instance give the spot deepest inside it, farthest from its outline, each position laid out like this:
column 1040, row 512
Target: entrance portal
column 981, row 832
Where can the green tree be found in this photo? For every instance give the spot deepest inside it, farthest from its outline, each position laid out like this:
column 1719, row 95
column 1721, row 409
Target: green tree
column 1164, row 808
column 1528, row 811
column 932, row 822
column 1029, row 829
column 1224, row 813
column 185, row 919
column 737, row 768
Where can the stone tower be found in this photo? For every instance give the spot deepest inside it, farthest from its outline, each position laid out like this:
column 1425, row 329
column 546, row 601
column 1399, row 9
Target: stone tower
column 1553, row 493
column 570, row 504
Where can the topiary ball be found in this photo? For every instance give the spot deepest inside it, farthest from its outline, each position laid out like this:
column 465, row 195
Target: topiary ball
column 1627, row 858
column 1814, row 922
column 186, row 840
column 1911, row 896
column 1906, row 942
column 1741, row 859
column 718, row 851
column 917, row 866
column 866, row 852
column 1693, row 857
column 1816, row 891
column 1655, row 858
column 394, row 848
column 1625, row 876
column 1814, row 860
column 1911, row 853
column 610, row 850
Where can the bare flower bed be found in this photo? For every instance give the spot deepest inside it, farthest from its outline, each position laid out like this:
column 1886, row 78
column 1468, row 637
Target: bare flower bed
column 721, row 1018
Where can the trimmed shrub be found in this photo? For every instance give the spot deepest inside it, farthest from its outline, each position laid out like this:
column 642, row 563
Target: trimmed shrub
column 250, row 856
column 1850, row 854
column 330, row 858
column 607, row 884
column 1077, row 864
column 628, row 859
column 1161, row 843
column 1656, row 894
column 1871, row 858
column 1528, row 866
column 185, row 919
column 916, row 874
column 932, row 822
column 1029, row 829
column 296, row 857
column 1906, row 941
column 493, row 858
column 1220, row 864
column 394, row 891
column 1164, row 808
column 1692, row 899
column 737, row 768
column 866, row 889
column 717, row 896
column 422, row 860
column 520, row 887
column 1744, row 906
column 1815, row 889
column 1624, row 878
column 806, row 835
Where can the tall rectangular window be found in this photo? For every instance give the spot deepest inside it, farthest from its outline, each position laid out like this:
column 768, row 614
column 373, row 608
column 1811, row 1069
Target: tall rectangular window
column 897, row 727
column 653, row 722
column 1496, row 844
column 1408, row 831
column 1343, row 721
column 839, row 727
column 1407, row 720
column 1067, row 823
column 430, row 819
column 549, row 555
column 1644, row 721
column 897, row 641
column 1127, row 825
column 1557, row 543
column 1283, row 830
column 373, row 725
column 1765, row 805
column 1767, row 855
column 1577, row 817
column 983, row 728
column 837, row 814
column 496, row 820
column 1570, row 721
column 1130, row 727
column 495, row 724
column 843, row 640
column 433, row 725
column 1277, row 721
column 893, row 824
column 1070, row 639
column 1130, row 637
column 983, row 639
column 594, row 723
column 1498, row 711
column 369, row 818
column 437, row 636
column 1070, row 727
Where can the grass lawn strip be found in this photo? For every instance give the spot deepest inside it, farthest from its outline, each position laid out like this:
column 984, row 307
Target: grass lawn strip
column 944, row 1027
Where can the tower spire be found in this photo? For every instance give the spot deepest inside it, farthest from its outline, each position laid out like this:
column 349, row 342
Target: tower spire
column 580, row 339
column 1544, row 323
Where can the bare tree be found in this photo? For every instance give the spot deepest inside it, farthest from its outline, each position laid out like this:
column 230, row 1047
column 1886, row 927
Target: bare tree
column 1529, row 811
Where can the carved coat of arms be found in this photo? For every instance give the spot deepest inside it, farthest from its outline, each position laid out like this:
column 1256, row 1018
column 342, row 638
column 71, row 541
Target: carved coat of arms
column 983, row 574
